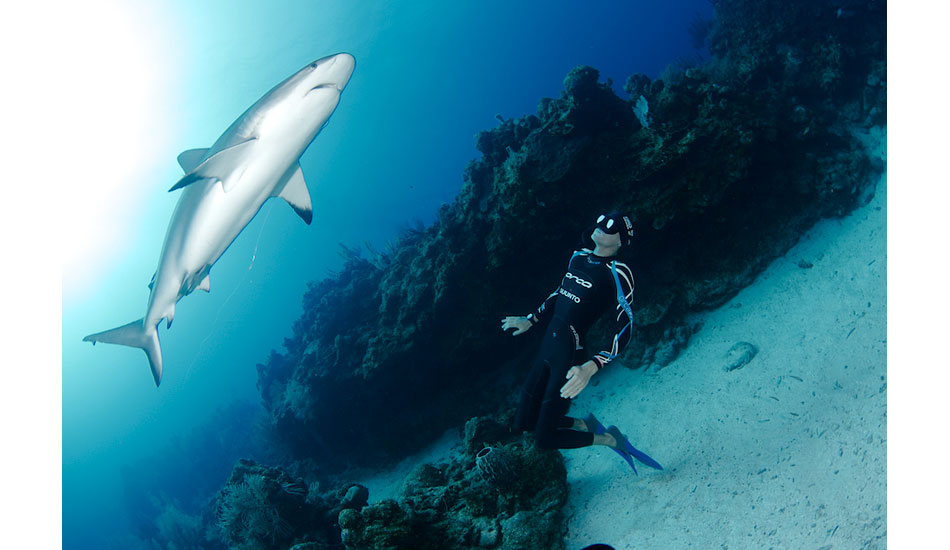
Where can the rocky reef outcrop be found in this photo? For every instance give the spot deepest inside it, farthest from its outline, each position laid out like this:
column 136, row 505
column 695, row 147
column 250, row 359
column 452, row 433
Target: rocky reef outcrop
column 500, row 491
column 723, row 165
column 262, row 508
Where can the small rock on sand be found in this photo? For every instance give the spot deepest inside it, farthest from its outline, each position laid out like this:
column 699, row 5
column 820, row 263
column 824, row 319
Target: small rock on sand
column 739, row 355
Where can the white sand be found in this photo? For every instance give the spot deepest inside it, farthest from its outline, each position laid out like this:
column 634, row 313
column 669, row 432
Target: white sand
column 787, row 452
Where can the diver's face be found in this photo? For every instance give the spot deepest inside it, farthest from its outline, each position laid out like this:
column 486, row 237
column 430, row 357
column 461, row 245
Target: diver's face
column 603, row 239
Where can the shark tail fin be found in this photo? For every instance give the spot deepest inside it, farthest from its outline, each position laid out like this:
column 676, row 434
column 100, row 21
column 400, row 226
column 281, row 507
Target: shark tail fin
column 136, row 335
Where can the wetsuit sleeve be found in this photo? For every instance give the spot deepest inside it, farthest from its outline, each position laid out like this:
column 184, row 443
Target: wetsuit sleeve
column 544, row 312
column 623, row 324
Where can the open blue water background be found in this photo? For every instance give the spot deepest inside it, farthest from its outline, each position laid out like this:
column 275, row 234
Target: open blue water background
column 429, row 75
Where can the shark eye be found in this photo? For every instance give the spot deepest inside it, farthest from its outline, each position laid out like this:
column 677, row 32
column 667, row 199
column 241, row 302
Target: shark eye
column 601, row 218
column 610, row 224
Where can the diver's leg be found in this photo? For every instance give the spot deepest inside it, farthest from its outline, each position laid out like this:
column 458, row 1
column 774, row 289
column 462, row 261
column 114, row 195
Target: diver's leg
column 578, row 424
column 532, row 393
column 554, row 429
column 578, row 357
column 552, row 432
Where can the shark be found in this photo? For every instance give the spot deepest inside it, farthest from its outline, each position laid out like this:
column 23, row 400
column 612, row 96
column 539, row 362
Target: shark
column 225, row 186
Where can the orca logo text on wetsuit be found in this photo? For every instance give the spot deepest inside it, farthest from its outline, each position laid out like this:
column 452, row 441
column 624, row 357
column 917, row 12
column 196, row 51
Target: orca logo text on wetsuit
column 578, row 280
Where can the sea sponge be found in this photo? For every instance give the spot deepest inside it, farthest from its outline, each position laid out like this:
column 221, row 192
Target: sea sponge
column 497, row 466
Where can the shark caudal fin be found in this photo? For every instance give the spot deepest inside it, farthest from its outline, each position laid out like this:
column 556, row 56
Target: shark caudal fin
column 135, row 335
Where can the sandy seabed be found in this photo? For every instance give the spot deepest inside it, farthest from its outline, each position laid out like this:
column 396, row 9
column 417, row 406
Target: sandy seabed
column 788, row 451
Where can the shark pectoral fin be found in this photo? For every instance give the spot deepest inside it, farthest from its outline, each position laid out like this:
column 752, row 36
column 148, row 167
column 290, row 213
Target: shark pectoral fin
column 232, row 180
column 190, row 159
column 297, row 195
column 187, row 180
column 226, row 166
column 205, row 284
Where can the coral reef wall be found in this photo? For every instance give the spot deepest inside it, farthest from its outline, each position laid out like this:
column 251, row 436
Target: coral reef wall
column 723, row 165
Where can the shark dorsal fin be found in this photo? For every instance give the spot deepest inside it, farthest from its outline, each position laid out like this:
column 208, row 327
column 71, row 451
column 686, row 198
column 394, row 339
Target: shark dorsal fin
column 190, row 159
column 226, row 166
column 297, row 195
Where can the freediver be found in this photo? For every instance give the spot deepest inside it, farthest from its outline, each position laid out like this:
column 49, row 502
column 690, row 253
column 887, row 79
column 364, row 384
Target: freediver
column 595, row 281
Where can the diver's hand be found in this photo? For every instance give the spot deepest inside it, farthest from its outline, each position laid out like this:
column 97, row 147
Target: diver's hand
column 577, row 379
column 520, row 324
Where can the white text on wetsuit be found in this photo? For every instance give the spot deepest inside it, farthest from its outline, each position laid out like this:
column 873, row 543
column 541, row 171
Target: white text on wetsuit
column 582, row 282
column 569, row 296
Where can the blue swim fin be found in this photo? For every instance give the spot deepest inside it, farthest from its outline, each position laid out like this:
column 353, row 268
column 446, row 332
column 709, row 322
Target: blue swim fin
column 636, row 453
column 594, row 426
column 614, row 431
column 642, row 457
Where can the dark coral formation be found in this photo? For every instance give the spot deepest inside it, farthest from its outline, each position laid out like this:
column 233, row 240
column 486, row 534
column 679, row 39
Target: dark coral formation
column 723, row 166
column 261, row 507
column 264, row 508
column 500, row 491
column 465, row 503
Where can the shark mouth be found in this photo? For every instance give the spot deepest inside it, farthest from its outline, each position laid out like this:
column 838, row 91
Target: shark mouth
column 326, row 86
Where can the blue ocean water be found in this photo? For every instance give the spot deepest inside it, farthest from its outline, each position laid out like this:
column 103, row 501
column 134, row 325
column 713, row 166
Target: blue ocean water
column 429, row 75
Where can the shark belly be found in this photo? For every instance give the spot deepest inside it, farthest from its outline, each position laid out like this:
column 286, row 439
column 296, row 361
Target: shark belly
column 222, row 215
column 206, row 222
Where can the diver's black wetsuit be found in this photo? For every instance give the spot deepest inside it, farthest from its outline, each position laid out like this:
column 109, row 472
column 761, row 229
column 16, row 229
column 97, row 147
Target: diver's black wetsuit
column 586, row 291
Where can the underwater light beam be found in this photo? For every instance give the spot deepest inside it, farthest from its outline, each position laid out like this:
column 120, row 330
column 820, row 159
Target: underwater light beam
column 225, row 186
column 121, row 113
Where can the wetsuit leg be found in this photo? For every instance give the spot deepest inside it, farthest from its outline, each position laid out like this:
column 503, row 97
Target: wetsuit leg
column 532, row 395
column 553, row 428
column 542, row 409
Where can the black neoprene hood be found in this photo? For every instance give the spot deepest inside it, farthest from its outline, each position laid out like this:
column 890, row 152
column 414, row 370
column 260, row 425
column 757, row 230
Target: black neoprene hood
column 614, row 223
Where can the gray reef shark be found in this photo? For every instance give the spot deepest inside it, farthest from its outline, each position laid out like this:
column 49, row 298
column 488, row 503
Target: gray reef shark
column 224, row 187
